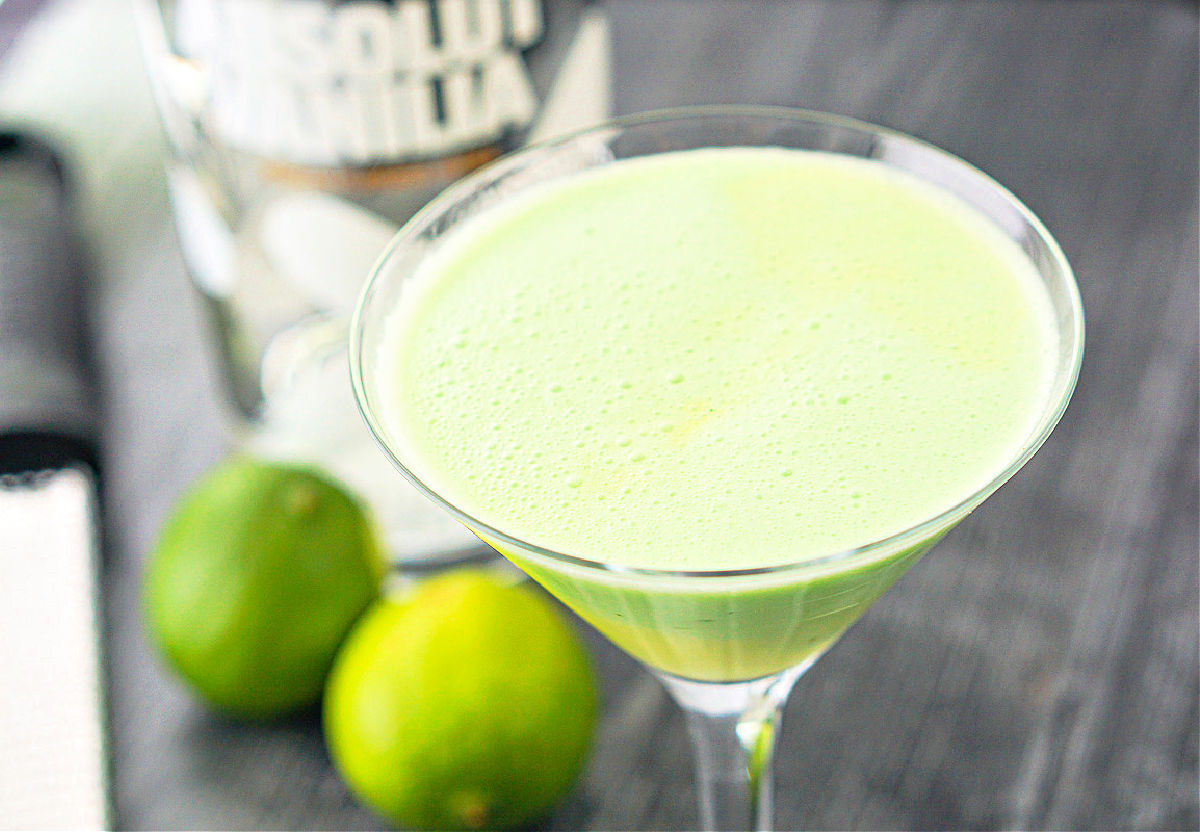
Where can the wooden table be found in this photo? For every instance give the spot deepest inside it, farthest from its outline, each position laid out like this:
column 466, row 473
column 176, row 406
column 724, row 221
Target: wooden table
column 1038, row 669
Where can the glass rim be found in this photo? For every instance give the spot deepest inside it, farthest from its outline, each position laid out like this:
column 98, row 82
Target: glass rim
column 899, row 541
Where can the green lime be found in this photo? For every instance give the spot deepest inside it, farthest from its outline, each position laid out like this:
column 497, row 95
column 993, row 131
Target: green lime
column 257, row 577
column 467, row 704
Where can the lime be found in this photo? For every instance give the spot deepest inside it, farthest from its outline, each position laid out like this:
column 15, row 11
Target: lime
column 257, row 577
column 466, row 704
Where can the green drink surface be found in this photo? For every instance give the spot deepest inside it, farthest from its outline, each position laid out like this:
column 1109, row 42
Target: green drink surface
column 718, row 359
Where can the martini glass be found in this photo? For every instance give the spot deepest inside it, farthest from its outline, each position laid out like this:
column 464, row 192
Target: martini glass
column 727, row 644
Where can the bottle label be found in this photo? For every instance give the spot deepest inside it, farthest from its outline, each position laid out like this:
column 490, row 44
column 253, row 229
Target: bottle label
column 365, row 82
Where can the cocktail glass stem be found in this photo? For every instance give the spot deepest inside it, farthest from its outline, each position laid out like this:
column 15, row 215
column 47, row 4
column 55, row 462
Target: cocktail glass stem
column 733, row 726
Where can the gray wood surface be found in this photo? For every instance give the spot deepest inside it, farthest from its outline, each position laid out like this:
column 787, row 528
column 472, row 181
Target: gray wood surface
column 1038, row 669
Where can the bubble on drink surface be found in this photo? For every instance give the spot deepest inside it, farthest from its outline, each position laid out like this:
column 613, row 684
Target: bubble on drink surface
column 691, row 347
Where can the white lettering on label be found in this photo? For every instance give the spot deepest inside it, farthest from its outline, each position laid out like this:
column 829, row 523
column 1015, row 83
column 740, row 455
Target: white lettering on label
column 362, row 82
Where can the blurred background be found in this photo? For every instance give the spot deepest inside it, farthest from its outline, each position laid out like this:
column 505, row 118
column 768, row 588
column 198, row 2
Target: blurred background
column 1037, row 670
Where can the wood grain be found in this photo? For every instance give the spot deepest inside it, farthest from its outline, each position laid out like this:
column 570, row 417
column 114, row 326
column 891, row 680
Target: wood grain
column 1039, row 668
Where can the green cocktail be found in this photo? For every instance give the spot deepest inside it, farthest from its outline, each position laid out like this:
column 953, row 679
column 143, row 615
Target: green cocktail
column 718, row 399
column 638, row 364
